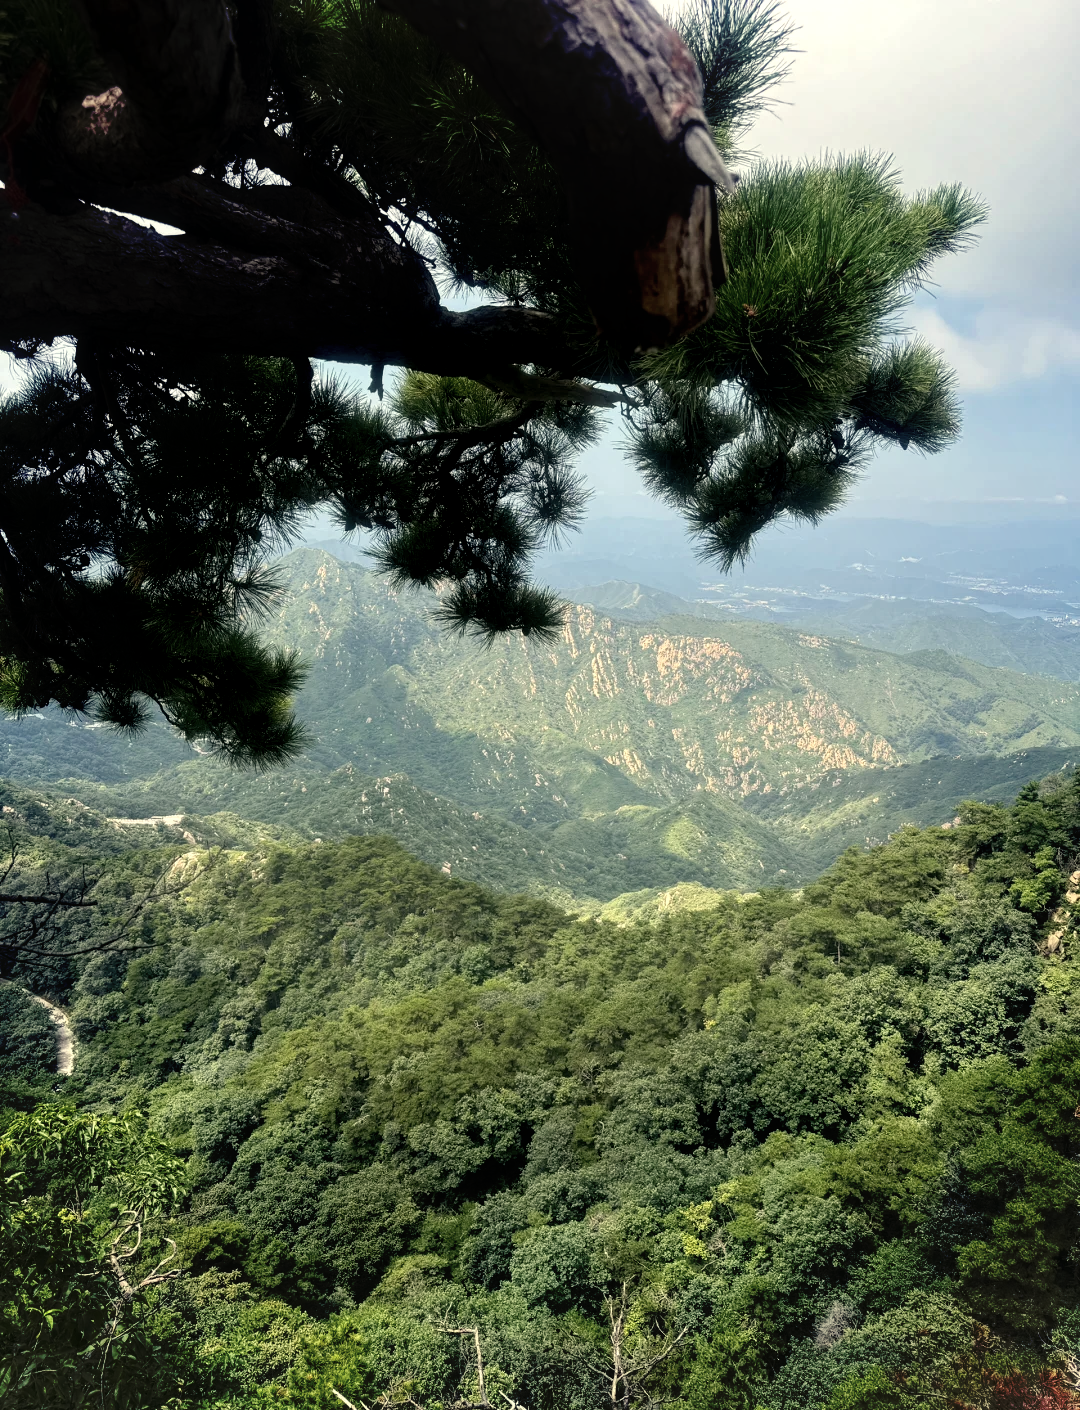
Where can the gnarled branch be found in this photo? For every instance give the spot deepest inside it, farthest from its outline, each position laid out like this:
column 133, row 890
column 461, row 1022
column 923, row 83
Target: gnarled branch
column 311, row 270
column 99, row 275
column 613, row 96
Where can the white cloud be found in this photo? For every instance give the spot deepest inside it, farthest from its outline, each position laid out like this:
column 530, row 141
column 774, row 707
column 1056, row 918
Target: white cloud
column 1002, row 349
column 960, row 90
column 977, row 91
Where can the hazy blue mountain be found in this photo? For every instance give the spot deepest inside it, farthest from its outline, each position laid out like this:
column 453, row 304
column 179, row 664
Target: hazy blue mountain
column 1028, row 644
column 1029, row 565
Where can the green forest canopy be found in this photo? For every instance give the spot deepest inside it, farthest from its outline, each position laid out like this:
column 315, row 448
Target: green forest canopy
column 809, row 1149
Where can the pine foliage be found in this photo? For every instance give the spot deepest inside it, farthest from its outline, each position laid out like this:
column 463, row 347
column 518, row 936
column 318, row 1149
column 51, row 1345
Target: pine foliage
column 741, row 49
column 804, row 349
column 471, row 485
column 139, row 500
column 447, row 160
column 143, row 493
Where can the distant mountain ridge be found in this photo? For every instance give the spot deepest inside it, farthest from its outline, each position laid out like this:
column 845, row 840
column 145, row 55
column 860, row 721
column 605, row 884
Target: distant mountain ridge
column 626, row 755
column 620, row 714
column 1031, row 645
column 1023, row 566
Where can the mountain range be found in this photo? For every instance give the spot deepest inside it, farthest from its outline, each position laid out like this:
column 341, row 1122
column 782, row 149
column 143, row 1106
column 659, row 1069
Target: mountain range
column 648, row 746
column 1026, row 567
column 1030, row 644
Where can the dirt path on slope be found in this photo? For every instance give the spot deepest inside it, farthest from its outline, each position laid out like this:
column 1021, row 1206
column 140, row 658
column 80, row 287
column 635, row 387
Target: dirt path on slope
column 65, row 1038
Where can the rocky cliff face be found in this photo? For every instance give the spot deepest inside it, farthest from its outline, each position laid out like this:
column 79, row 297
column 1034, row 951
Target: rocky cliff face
column 620, row 712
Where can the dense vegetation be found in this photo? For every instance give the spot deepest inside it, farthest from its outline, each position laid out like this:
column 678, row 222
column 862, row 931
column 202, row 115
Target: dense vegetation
column 792, row 1149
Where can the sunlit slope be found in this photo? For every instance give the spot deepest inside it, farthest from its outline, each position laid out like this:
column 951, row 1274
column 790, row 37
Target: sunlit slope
column 617, row 713
column 624, row 755
column 710, row 841
column 704, row 840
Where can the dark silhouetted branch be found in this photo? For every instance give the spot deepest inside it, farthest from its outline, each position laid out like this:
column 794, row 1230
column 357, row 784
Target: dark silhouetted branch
column 177, row 94
column 614, row 98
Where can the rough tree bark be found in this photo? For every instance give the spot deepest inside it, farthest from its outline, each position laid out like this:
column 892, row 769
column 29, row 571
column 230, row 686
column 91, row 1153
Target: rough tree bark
column 179, row 92
column 277, row 288
column 609, row 90
column 613, row 96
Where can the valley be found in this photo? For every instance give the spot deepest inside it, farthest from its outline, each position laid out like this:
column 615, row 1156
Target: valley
column 628, row 754
column 365, row 1102
column 773, row 973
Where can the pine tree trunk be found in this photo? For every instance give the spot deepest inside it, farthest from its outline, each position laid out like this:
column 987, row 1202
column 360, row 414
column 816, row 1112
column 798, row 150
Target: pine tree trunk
column 613, row 96
column 609, row 90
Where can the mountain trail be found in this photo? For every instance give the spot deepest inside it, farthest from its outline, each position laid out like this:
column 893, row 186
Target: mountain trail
column 65, row 1038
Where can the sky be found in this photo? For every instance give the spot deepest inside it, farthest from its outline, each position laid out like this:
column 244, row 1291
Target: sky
column 984, row 93
column 981, row 92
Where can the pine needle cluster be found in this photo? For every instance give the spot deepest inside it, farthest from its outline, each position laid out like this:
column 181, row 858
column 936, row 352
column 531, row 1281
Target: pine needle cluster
column 139, row 502
column 142, row 498
column 462, row 485
column 773, row 406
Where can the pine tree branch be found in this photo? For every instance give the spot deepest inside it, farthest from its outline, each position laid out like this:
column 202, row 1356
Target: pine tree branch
column 614, row 98
column 98, row 275
column 281, row 156
column 491, row 433
column 609, row 89
column 268, row 220
column 516, row 383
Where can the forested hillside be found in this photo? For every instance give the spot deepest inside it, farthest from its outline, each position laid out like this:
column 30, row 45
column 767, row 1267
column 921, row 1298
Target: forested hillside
column 751, row 709
column 791, row 1149
column 627, row 755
